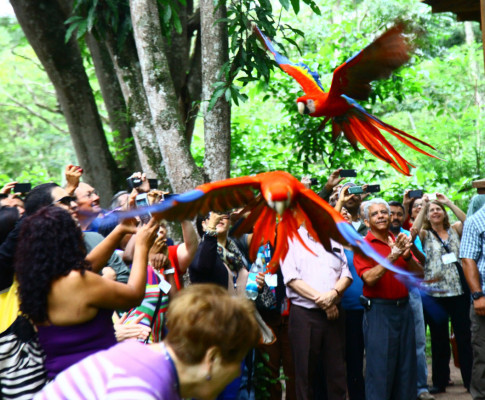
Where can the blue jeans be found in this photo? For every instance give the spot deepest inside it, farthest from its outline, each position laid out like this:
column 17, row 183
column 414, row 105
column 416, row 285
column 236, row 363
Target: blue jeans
column 420, row 332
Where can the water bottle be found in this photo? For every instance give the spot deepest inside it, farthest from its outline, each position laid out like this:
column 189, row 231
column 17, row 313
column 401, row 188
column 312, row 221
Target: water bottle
column 252, row 286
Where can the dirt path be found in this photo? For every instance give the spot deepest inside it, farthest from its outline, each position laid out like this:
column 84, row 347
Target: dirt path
column 455, row 392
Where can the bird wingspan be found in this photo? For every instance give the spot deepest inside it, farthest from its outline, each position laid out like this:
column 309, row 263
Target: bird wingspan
column 377, row 61
column 215, row 196
column 308, row 79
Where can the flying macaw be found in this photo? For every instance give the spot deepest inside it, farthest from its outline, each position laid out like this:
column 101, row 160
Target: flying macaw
column 281, row 206
column 351, row 81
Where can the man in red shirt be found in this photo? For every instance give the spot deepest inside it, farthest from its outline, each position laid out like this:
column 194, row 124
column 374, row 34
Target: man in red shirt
column 388, row 320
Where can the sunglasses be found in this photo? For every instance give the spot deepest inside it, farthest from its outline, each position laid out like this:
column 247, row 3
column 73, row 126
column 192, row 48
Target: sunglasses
column 66, row 201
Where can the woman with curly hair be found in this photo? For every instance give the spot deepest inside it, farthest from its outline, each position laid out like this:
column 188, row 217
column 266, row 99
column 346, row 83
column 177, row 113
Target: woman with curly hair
column 441, row 244
column 70, row 304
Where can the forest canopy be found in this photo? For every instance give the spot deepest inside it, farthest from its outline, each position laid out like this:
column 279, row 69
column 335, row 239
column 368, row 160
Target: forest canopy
column 438, row 96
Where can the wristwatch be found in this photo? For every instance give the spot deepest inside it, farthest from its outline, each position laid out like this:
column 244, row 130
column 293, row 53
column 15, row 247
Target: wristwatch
column 477, row 295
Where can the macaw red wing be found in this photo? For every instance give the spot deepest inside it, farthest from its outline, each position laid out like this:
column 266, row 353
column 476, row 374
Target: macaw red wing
column 216, row 196
column 308, row 79
column 323, row 222
column 377, row 61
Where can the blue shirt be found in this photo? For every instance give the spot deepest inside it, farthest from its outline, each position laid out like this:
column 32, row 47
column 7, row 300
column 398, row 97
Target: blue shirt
column 350, row 300
column 473, row 242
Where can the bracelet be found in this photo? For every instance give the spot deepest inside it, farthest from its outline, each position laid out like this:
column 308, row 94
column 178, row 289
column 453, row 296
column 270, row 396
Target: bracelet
column 338, row 293
column 210, row 232
column 169, row 271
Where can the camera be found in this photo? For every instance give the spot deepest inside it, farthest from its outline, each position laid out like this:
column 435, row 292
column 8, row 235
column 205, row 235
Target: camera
column 133, row 182
column 313, row 181
column 355, row 190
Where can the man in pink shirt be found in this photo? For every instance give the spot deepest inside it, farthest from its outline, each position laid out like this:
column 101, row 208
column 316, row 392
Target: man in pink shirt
column 315, row 285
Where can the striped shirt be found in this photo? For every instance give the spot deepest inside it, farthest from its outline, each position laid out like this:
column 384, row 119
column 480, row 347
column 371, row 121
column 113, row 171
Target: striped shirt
column 473, row 242
column 129, row 370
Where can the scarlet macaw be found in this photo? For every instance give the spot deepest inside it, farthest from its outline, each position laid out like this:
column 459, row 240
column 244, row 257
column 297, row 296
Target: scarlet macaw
column 278, row 211
column 351, row 80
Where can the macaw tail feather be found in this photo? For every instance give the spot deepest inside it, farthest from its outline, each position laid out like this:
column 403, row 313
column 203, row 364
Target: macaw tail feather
column 360, row 126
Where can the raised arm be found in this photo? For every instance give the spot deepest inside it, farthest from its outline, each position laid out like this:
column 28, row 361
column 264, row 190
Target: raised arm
column 457, row 211
column 186, row 251
column 104, row 293
column 99, row 256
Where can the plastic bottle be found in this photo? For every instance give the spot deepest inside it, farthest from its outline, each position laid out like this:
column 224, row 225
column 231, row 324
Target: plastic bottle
column 252, row 286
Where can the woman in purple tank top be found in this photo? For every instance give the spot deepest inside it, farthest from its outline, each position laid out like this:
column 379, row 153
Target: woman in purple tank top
column 71, row 305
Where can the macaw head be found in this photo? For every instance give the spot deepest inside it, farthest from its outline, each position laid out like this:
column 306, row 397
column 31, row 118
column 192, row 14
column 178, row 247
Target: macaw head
column 305, row 105
column 279, row 196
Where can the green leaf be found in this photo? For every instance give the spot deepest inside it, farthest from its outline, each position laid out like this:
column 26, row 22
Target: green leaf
column 81, row 29
column 69, row 32
column 296, row 6
column 285, row 4
column 167, row 14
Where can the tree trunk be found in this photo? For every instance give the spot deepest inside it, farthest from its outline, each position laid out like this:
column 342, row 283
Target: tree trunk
column 217, row 122
column 179, row 164
column 131, row 82
column 115, row 105
column 43, row 24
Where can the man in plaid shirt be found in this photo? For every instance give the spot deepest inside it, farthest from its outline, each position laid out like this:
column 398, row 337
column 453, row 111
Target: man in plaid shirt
column 472, row 253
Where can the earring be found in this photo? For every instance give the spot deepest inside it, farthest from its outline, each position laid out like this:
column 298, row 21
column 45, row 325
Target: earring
column 208, row 377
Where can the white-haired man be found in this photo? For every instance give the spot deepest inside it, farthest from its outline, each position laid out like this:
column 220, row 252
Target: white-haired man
column 388, row 320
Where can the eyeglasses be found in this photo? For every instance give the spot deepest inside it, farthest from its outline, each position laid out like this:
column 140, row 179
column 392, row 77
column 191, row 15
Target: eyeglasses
column 66, row 201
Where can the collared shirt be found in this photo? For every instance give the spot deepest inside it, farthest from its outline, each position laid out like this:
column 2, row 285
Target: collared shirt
column 388, row 287
column 473, row 242
column 321, row 272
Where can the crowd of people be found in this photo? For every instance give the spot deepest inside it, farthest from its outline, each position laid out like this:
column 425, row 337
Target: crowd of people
column 96, row 307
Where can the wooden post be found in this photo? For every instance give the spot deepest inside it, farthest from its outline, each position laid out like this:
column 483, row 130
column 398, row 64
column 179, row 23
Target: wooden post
column 482, row 18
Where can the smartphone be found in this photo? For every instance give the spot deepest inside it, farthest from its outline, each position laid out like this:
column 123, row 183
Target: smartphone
column 415, row 194
column 432, row 196
column 22, row 187
column 355, row 190
column 373, row 188
column 348, row 173
column 313, row 181
column 153, row 183
column 141, row 201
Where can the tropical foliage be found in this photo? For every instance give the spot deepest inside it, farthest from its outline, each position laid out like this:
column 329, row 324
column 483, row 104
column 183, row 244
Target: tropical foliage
column 437, row 97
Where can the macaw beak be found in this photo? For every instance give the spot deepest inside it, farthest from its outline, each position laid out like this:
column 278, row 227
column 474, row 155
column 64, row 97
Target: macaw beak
column 302, row 108
column 280, row 206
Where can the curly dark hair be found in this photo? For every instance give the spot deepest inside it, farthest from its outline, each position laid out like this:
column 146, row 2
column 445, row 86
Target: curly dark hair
column 50, row 246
